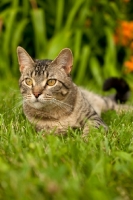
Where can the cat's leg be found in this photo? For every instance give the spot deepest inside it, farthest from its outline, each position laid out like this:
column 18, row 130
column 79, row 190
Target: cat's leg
column 93, row 121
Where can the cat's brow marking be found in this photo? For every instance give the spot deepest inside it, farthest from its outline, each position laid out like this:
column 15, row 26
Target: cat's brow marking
column 40, row 69
column 41, row 66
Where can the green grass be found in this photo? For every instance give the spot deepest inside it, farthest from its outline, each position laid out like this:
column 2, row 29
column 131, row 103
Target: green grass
column 51, row 167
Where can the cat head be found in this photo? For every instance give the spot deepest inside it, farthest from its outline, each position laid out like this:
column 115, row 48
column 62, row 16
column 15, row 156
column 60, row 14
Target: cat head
column 45, row 82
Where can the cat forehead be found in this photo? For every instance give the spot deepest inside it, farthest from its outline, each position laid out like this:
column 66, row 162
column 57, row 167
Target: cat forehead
column 41, row 66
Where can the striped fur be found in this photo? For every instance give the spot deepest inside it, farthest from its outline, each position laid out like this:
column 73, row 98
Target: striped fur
column 62, row 105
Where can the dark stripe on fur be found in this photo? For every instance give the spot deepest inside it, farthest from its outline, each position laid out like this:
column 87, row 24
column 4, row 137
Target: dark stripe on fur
column 41, row 66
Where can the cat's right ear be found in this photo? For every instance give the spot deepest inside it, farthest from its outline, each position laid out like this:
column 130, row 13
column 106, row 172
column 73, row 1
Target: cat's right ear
column 24, row 59
column 64, row 60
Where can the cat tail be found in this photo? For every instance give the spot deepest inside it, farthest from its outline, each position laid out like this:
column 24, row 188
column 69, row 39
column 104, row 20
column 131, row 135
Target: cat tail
column 121, row 86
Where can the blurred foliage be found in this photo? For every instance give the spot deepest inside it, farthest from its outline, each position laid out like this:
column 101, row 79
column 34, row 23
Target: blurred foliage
column 44, row 27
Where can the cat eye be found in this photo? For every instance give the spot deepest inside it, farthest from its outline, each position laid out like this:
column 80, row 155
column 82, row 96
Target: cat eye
column 51, row 82
column 28, row 81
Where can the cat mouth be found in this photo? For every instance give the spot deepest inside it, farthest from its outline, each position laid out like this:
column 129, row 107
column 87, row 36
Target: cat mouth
column 37, row 104
column 36, row 100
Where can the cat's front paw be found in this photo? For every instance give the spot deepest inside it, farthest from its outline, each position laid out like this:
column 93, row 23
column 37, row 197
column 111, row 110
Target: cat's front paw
column 95, row 124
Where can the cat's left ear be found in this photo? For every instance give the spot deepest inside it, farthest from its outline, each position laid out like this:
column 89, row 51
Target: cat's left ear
column 64, row 60
column 24, row 59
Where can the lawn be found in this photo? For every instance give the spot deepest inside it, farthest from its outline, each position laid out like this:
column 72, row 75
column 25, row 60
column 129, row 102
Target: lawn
column 33, row 166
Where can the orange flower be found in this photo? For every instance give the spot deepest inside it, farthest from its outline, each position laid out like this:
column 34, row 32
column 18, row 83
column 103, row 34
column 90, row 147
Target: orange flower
column 124, row 33
column 129, row 65
column 126, row 1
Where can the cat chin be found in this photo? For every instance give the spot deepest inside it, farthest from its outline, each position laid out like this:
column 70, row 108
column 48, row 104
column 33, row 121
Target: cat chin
column 36, row 105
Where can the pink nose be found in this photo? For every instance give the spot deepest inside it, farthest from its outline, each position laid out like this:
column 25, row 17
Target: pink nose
column 36, row 94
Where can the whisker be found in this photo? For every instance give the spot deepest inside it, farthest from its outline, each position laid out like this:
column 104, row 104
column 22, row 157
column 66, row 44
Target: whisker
column 64, row 106
column 58, row 103
column 63, row 103
column 64, row 109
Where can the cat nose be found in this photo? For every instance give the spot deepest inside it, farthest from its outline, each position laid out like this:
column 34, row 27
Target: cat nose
column 37, row 94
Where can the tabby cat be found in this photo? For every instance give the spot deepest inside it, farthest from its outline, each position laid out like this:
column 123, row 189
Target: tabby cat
column 51, row 101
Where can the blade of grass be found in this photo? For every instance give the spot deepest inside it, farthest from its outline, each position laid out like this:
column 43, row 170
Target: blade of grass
column 110, row 56
column 77, row 47
column 83, row 64
column 15, row 4
column 9, row 23
column 72, row 13
column 20, row 27
column 59, row 15
column 95, row 69
column 39, row 25
column 58, row 42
